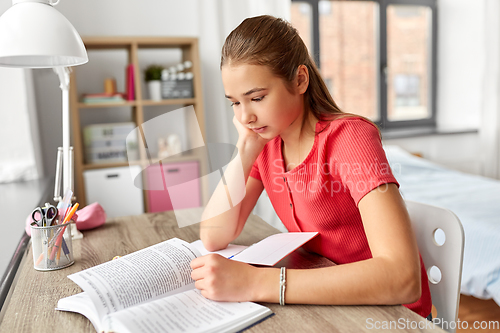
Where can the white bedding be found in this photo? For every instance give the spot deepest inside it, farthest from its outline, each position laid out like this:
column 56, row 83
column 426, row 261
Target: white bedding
column 476, row 202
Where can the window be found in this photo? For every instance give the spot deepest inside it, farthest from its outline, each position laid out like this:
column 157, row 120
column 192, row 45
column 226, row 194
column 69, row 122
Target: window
column 381, row 55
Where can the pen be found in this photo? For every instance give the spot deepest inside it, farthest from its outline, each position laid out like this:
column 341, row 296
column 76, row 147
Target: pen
column 239, row 252
column 58, row 256
column 57, row 245
column 39, row 259
column 65, row 249
column 64, row 204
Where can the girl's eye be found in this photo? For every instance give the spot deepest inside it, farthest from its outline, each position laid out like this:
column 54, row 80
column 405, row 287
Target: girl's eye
column 258, row 99
column 235, row 103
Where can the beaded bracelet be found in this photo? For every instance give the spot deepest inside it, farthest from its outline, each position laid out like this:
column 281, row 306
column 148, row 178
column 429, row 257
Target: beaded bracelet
column 282, row 285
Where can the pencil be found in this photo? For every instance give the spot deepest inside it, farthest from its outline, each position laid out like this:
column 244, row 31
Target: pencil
column 57, row 245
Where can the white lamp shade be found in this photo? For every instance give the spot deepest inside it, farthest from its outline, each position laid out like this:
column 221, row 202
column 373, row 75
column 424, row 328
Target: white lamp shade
column 36, row 35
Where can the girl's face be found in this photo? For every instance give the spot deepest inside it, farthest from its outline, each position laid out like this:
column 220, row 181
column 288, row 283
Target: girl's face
column 261, row 101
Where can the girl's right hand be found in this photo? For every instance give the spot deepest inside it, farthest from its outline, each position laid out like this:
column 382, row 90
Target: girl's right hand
column 249, row 141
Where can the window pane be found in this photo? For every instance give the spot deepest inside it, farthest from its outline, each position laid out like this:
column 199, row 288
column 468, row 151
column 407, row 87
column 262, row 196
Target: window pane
column 348, row 46
column 301, row 19
column 408, row 62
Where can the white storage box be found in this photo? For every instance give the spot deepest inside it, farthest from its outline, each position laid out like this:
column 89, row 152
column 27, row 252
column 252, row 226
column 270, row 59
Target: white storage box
column 114, row 190
column 106, row 155
column 176, row 89
column 107, row 131
column 106, row 143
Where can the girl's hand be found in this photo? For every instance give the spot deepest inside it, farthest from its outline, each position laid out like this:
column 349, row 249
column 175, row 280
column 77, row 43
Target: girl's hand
column 222, row 279
column 249, row 141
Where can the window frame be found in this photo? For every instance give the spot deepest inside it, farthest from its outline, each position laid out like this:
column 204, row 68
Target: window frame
column 383, row 122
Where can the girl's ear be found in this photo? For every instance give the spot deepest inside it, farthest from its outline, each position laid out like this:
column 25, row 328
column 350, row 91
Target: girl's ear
column 302, row 79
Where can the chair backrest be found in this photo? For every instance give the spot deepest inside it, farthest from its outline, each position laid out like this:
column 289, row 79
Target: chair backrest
column 440, row 238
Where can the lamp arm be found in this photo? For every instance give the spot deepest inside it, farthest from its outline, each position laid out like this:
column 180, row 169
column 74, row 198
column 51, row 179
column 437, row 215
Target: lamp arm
column 63, row 73
column 57, row 184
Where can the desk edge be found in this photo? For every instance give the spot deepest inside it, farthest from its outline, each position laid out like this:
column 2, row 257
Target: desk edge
column 11, row 270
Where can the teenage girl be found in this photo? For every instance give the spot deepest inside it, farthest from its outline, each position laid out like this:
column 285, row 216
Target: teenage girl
column 324, row 170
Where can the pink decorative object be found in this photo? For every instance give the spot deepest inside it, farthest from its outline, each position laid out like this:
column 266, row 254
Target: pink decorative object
column 130, row 83
column 29, row 219
column 90, row 217
column 183, row 186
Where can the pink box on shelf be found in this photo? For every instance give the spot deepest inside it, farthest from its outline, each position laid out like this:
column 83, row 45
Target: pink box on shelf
column 183, row 186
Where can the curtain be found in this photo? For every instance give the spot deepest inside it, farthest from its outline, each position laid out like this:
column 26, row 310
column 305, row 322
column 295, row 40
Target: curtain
column 490, row 114
column 20, row 156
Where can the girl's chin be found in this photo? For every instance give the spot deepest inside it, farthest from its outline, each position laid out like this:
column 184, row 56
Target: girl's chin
column 267, row 135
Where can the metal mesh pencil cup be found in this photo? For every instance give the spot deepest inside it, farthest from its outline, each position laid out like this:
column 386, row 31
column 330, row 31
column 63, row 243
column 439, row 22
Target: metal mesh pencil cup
column 52, row 247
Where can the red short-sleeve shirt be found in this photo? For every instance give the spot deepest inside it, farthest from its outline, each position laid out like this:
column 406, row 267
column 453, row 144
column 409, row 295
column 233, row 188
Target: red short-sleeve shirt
column 321, row 194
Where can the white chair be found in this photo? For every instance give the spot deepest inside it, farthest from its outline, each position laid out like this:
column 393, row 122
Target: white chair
column 440, row 238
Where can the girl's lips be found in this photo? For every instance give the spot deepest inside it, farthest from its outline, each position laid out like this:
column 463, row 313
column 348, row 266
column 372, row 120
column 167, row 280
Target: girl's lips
column 259, row 130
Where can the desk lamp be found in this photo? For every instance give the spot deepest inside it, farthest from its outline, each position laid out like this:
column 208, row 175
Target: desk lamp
column 35, row 35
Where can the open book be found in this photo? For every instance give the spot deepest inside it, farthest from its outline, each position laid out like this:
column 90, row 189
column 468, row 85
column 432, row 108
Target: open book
column 151, row 290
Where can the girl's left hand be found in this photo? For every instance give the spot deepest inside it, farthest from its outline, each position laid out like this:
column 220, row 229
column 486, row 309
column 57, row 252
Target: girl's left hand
column 222, row 279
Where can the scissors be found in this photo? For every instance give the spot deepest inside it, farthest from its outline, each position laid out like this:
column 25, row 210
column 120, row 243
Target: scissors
column 44, row 216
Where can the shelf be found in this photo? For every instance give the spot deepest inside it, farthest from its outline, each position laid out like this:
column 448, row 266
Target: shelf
column 173, row 101
column 181, row 158
column 168, row 160
column 99, row 42
column 137, row 109
column 106, row 105
column 105, row 165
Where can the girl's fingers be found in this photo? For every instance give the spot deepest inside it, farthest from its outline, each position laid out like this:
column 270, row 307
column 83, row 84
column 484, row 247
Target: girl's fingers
column 205, row 293
column 199, row 285
column 197, row 262
column 198, row 273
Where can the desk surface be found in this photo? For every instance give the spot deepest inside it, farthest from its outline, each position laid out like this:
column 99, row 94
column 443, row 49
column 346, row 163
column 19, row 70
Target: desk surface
column 31, row 301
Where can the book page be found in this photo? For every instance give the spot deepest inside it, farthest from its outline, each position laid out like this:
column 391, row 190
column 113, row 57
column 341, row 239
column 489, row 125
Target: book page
column 82, row 304
column 186, row 312
column 274, row 248
column 159, row 270
column 229, row 251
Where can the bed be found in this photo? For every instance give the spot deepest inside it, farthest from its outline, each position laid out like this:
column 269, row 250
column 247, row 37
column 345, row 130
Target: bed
column 476, row 202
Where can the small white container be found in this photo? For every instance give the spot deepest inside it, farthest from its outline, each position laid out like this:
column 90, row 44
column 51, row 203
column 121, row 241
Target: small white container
column 154, row 88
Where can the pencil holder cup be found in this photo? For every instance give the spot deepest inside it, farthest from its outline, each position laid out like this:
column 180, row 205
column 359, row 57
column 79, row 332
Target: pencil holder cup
column 52, row 247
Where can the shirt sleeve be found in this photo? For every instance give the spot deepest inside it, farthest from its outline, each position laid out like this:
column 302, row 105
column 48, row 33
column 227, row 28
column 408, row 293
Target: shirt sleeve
column 357, row 157
column 255, row 173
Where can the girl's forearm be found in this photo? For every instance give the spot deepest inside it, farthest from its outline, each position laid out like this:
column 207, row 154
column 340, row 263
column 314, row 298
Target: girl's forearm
column 372, row 281
column 220, row 220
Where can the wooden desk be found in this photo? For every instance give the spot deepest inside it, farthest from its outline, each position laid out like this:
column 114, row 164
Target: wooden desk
column 29, row 307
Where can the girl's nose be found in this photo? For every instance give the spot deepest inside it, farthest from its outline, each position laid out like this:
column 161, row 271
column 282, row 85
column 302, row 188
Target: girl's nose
column 247, row 116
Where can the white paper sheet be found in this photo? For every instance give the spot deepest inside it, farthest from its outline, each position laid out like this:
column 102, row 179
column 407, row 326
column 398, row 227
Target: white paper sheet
column 229, row 251
column 267, row 252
